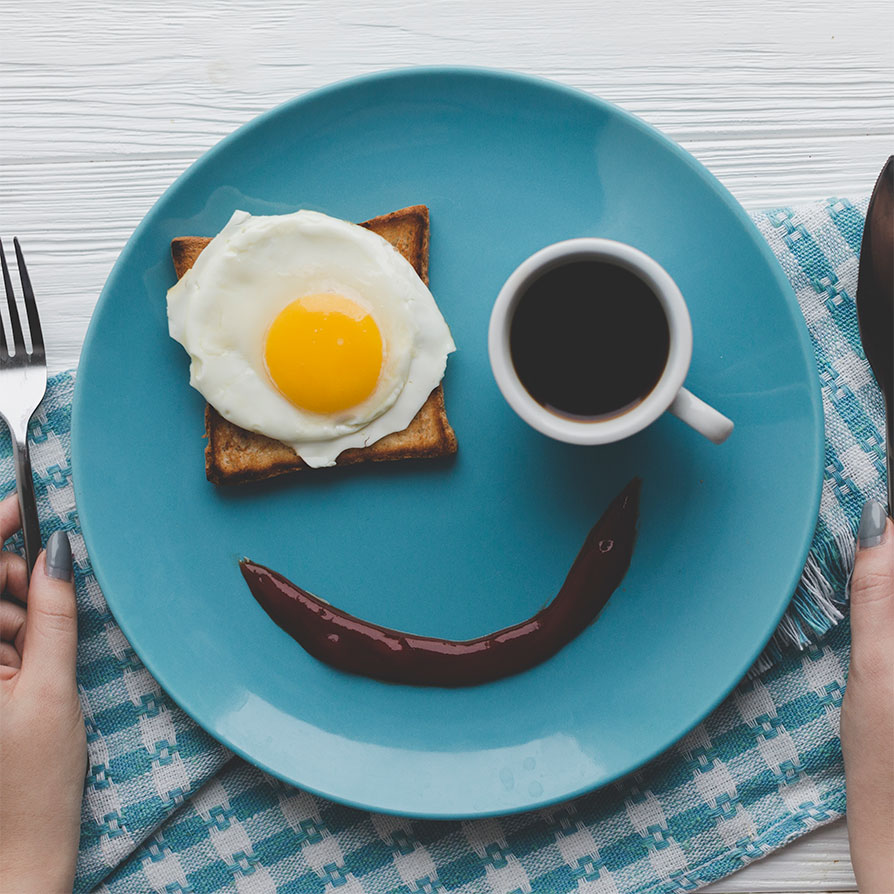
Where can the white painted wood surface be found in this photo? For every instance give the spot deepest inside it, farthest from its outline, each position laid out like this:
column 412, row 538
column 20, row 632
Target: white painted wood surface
column 102, row 104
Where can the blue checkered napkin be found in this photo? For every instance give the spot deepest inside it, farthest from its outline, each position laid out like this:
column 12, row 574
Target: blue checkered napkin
column 818, row 247
column 167, row 809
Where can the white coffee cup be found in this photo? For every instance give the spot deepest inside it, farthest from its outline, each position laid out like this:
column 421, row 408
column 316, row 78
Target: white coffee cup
column 667, row 394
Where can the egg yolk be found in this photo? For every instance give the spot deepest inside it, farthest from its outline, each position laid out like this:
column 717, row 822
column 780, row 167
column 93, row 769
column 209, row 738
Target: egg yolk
column 324, row 353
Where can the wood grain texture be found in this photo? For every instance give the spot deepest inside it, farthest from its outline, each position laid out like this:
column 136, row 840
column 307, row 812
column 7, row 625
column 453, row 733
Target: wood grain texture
column 103, row 104
column 820, row 861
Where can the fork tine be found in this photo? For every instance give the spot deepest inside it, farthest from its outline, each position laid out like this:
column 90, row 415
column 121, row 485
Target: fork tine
column 18, row 338
column 4, row 353
column 30, row 303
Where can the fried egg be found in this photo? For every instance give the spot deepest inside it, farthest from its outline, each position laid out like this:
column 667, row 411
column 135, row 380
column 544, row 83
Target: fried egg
column 310, row 330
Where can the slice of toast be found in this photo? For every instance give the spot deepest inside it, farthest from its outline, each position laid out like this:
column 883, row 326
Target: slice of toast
column 234, row 455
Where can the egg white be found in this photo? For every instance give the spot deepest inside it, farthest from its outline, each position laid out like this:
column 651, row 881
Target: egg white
column 221, row 310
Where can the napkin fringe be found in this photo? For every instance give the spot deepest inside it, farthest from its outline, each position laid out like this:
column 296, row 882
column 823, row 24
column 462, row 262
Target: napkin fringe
column 819, row 599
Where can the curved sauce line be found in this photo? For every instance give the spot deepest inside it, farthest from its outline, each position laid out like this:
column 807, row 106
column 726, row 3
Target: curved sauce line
column 360, row 647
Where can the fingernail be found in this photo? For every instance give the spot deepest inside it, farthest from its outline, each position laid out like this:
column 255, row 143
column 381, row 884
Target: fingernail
column 872, row 525
column 58, row 559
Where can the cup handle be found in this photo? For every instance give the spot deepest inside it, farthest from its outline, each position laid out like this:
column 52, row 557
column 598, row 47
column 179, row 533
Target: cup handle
column 703, row 418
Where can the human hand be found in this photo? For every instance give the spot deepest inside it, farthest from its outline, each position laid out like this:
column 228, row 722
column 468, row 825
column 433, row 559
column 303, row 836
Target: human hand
column 43, row 746
column 867, row 715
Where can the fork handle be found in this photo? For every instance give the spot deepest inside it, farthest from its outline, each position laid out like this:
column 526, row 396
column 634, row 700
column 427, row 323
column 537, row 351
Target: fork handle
column 27, row 503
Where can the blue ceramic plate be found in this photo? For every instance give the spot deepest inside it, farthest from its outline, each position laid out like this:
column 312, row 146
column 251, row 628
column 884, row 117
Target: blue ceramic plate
column 506, row 164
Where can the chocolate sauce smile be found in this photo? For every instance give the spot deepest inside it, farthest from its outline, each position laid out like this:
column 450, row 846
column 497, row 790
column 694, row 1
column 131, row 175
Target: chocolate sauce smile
column 360, row 647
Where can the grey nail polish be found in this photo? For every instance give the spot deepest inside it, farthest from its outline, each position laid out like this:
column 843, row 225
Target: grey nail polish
column 59, row 556
column 872, row 524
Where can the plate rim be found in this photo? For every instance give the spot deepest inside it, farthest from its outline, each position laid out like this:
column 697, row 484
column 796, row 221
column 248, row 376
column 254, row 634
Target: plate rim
column 293, row 106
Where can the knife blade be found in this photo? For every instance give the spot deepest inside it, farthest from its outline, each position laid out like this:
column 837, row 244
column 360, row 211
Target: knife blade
column 875, row 299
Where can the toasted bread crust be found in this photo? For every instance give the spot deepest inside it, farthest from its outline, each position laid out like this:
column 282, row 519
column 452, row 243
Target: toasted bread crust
column 235, row 456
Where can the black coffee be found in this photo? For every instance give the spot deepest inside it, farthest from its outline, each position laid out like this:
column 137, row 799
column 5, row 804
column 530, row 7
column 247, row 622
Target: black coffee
column 589, row 340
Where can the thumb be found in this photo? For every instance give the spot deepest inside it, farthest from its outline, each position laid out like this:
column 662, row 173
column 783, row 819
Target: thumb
column 872, row 589
column 51, row 631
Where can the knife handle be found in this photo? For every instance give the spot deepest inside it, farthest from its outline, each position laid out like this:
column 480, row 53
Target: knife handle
column 890, row 455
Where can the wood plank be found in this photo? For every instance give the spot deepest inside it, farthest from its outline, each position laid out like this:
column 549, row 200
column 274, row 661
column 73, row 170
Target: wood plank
column 820, row 861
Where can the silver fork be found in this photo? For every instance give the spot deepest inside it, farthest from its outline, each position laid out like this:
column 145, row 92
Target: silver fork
column 23, row 381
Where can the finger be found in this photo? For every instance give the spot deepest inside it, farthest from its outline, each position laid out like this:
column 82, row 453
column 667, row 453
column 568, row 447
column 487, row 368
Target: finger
column 13, row 576
column 872, row 586
column 12, row 624
column 51, row 632
column 9, row 657
column 9, row 517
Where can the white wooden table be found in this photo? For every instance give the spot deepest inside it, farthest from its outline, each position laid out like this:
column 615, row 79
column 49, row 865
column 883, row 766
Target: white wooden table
column 103, row 103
